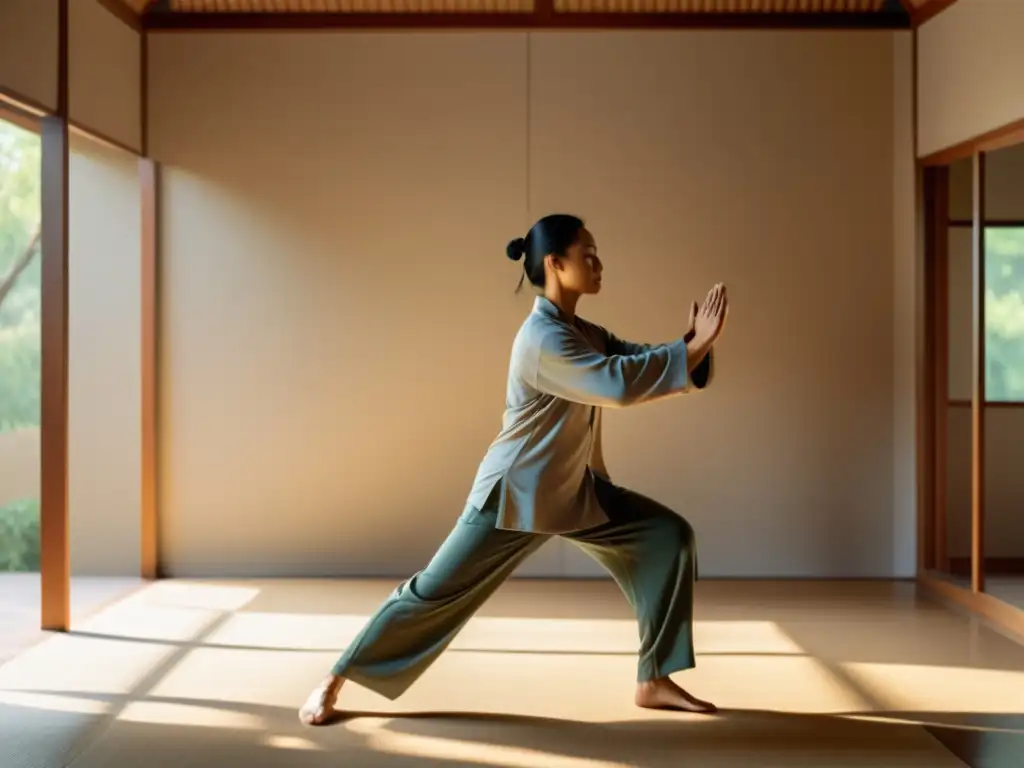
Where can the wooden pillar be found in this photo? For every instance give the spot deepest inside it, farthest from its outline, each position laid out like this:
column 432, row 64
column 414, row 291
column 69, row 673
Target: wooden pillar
column 978, row 379
column 55, row 569
column 148, row 182
column 935, row 388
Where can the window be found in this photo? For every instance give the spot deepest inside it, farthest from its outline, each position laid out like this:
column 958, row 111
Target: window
column 20, row 152
column 1004, row 314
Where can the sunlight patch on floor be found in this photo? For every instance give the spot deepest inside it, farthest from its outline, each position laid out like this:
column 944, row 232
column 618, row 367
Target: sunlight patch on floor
column 188, row 673
column 316, row 632
column 68, row 663
column 941, row 689
column 48, row 702
column 167, row 713
column 446, row 749
column 197, row 594
column 276, row 741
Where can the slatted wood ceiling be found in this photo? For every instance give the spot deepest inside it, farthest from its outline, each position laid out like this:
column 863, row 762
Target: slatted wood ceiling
column 718, row 6
column 585, row 6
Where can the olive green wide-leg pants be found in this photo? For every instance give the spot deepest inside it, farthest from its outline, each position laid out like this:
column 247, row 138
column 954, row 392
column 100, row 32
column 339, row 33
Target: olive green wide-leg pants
column 647, row 548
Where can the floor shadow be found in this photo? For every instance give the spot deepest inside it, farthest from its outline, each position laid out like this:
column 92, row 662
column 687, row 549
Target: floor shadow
column 981, row 740
column 833, row 633
column 812, row 614
column 369, row 739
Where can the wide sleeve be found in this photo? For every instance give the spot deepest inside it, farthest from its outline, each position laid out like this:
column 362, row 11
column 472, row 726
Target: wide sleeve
column 617, row 346
column 700, row 377
column 568, row 367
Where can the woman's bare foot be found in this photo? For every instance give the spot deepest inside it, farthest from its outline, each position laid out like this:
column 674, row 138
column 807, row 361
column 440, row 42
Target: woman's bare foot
column 665, row 694
column 320, row 707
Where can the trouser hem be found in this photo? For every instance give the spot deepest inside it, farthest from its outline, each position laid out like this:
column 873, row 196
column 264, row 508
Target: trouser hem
column 381, row 686
column 646, row 672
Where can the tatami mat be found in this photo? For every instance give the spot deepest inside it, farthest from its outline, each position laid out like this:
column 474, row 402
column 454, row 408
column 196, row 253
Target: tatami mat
column 211, row 674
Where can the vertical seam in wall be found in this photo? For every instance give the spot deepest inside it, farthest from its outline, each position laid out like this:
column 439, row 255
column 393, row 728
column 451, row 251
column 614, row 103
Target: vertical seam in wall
column 529, row 52
column 913, row 92
column 917, row 314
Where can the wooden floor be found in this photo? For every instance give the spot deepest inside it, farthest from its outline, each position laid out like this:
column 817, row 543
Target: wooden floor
column 206, row 674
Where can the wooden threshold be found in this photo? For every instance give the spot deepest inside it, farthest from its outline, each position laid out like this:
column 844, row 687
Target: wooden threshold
column 538, row 19
column 1003, row 615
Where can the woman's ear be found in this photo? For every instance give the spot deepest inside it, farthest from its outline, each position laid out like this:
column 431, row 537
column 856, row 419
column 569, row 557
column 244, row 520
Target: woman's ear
column 554, row 262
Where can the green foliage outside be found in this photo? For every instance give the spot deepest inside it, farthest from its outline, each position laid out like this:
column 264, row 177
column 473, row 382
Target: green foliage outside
column 19, row 536
column 19, row 327
column 1004, row 314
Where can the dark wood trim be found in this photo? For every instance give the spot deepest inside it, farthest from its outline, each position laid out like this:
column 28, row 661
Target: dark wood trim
column 123, row 13
column 922, row 350
column 84, row 130
column 914, row 47
column 1002, row 137
column 144, row 93
column 149, row 189
column 55, row 570
column 998, row 404
column 978, row 383
column 926, row 377
column 940, row 253
column 540, row 18
column 23, row 103
column 1002, row 566
column 992, row 609
column 990, row 224
column 936, row 248
column 19, row 117
column 929, row 11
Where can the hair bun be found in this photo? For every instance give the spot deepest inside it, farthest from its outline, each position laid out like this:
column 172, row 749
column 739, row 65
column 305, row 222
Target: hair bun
column 516, row 249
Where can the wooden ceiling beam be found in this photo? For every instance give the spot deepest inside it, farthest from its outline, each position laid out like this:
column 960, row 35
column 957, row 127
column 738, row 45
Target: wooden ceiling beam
column 541, row 18
column 124, row 12
column 921, row 11
column 929, row 10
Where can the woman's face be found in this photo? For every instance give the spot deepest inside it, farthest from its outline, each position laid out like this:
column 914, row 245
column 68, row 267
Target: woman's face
column 579, row 270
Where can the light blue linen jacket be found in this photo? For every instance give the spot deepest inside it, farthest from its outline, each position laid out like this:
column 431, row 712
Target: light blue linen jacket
column 561, row 374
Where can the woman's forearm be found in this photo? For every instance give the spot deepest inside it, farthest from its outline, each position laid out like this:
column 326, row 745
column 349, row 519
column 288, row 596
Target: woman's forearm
column 697, row 349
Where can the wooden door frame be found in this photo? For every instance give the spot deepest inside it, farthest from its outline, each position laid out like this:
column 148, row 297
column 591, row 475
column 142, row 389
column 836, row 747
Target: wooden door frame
column 934, row 402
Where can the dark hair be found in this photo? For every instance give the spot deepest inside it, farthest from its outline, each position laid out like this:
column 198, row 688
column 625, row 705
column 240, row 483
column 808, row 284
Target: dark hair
column 552, row 234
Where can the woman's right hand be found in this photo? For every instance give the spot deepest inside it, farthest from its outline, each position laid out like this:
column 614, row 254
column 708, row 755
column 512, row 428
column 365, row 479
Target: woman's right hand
column 710, row 317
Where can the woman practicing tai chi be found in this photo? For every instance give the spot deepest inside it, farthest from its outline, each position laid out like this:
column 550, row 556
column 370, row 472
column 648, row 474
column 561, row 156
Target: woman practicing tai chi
column 544, row 475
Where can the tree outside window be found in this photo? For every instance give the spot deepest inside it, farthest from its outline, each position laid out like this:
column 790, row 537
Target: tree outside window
column 20, row 154
column 1004, row 314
